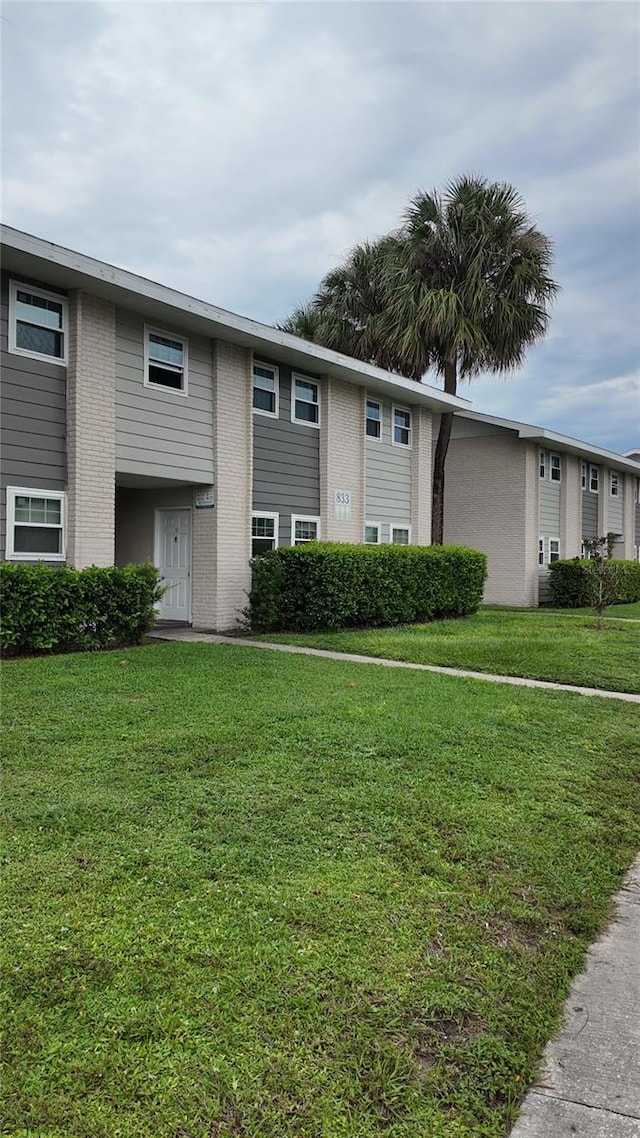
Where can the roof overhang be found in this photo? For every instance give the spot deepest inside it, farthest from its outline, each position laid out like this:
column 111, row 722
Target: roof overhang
column 53, row 264
column 546, row 438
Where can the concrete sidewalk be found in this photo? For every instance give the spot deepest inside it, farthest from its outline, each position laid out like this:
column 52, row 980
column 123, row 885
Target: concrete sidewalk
column 590, row 1083
column 191, row 634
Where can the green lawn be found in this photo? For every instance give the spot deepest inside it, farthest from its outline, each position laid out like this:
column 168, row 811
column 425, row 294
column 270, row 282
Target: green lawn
column 255, row 895
column 537, row 643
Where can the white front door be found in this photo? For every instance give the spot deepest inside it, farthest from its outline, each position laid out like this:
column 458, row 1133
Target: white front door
column 173, row 558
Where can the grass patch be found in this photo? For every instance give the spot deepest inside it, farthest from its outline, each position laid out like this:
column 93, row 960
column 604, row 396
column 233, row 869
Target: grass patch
column 258, row 895
column 537, row 644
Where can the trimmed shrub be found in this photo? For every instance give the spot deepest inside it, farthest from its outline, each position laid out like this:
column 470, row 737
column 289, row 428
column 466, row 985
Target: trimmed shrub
column 569, row 582
column 327, row 586
column 60, row 609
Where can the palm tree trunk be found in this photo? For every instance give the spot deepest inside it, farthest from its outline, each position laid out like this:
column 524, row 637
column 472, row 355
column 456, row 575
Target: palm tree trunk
column 442, row 446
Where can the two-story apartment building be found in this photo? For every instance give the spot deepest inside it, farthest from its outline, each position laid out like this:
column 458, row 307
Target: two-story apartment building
column 528, row 496
column 141, row 424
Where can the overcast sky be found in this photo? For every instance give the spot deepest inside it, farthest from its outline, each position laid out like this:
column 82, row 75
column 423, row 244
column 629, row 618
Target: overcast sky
column 236, row 151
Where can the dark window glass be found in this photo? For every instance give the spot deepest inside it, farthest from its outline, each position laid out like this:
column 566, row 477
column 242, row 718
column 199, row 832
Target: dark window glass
column 42, row 340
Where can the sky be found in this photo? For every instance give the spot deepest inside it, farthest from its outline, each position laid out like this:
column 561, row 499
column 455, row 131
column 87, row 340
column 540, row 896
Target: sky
column 237, row 151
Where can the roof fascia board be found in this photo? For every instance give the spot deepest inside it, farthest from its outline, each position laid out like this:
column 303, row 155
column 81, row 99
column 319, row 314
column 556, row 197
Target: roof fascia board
column 563, row 442
column 237, row 329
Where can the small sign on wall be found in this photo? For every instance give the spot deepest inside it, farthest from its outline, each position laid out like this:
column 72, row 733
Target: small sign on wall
column 342, row 505
column 204, row 499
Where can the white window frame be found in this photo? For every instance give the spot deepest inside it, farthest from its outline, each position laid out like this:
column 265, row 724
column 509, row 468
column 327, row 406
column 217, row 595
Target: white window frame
column 304, row 518
column 276, row 379
column 394, row 527
column 14, row 492
column 182, row 392
column 33, row 290
column 378, row 402
column 590, row 479
column 275, row 518
column 378, row 528
column 405, row 411
column 614, row 481
column 546, row 466
column 295, row 376
column 584, row 475
column 557, row 541
column 541, row 552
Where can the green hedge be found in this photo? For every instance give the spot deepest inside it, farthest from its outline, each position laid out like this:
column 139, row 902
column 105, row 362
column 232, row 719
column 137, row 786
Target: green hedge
column 328, row 586
column 46, row 609
column 568, row 582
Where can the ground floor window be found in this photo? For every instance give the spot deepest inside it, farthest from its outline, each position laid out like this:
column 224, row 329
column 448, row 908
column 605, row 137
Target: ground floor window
column 35, row 524
column 548, row 550
column 400, row 535
column 304, row 530
column 264, row 533
column 372, row 533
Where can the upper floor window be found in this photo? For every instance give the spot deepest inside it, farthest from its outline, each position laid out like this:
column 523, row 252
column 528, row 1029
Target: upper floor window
column 304, row 530
column 264, row 533
column 583, row 475
column 265, row 389
column 35, row 524
column 401, row 427
column 593, row 479
column 614, row 484
column 374, row 419
column 165, row 363
column 38, row 323
column 305, row 405
column 550, row 466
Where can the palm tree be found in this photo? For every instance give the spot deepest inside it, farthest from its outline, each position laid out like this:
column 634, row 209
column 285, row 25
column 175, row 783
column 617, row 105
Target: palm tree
column 463, row 286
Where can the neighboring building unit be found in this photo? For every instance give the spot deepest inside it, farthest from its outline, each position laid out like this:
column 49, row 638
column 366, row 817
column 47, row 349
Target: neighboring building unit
column 527, row 496
column 140, row 424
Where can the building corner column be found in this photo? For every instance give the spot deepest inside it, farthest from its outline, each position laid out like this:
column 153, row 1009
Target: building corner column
column 341, row 461
column 421, row 476
column 91, row 431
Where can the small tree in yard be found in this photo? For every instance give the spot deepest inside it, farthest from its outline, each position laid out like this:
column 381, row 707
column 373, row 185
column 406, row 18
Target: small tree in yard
column 601, row 581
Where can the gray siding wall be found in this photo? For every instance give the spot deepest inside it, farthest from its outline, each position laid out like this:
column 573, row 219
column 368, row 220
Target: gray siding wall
column 387, row 478
column 160, row 433
column 549, row 508
column 549, row 526
column 286, row 462
column 589, row 514
column 33, row 418
column 615, row 506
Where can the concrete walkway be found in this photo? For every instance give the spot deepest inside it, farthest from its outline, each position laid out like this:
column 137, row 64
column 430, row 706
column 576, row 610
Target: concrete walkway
column 190, row 634
column 590, row 1083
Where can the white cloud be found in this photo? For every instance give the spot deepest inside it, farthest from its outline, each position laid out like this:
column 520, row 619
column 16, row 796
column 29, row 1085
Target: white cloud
column 237, row 150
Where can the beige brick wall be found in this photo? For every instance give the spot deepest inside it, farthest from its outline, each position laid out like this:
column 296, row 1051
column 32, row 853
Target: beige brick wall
column 341, row 459
column 421, row 466
column 629, row 521
column 221, row 576
column 570, row 507
column 91, row 431
column 491, row 504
